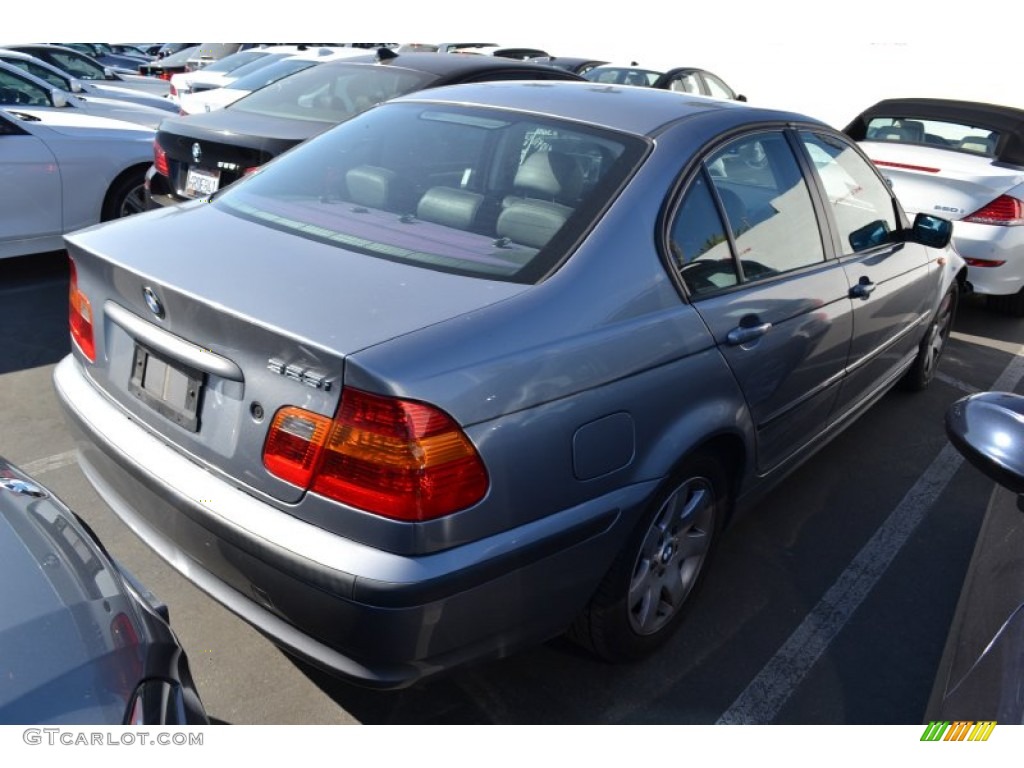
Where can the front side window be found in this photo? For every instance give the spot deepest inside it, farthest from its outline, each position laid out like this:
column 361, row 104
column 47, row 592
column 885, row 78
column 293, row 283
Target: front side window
column 478, row 192
column 14, row 90
column 861, row 203
column 43, row 73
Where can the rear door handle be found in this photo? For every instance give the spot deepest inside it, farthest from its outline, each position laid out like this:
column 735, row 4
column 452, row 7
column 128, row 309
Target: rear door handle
column 863, row 288
column 746, row 334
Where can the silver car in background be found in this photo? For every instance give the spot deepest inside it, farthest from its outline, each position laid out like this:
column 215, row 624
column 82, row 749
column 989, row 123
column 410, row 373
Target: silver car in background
column 492, row 362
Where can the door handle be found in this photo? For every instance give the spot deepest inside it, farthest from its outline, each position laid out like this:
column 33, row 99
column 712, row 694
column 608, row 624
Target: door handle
column 863, row 288
column 746, row 334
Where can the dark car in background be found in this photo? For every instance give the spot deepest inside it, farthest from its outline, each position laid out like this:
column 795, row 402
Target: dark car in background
column 198, row 154
column 81, row 641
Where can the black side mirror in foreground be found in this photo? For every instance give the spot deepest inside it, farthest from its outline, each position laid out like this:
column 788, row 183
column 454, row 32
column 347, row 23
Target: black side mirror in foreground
column 933, row 231
column 988, row 429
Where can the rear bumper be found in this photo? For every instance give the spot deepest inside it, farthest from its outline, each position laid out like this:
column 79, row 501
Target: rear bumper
column 158, row 192
column 992, row 243
column 373, row 617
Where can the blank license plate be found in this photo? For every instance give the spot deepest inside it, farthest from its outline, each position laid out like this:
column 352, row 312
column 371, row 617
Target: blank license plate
column 168, row 387
column 200, row 183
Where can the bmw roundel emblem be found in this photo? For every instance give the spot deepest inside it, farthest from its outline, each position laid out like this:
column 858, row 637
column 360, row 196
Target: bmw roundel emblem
column 153, row 302
column 197, row 152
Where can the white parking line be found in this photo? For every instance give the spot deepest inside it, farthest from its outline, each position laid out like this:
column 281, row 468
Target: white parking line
column 963, row 386
column 771, row 688
column 50, row 463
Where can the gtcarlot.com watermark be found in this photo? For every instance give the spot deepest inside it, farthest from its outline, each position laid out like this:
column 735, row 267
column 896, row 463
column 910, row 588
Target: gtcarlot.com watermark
column 74, row 737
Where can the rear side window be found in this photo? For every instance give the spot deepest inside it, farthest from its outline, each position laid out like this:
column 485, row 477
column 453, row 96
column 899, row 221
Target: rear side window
column 762, row 224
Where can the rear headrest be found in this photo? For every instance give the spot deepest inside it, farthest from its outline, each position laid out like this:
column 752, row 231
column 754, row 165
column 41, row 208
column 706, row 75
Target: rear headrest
column 448, row 206
column 532, row 222
column 980, row 144
column 550, row 175
column 369, row 185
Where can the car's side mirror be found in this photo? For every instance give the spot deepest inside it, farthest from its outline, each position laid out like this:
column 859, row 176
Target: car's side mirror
column 58, row 98
column 76, row 86
column 741, row 97
column 988, row 429
column 108, row 74
column 933, row 231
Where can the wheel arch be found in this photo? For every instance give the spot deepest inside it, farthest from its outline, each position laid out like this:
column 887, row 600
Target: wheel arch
column 108, row 197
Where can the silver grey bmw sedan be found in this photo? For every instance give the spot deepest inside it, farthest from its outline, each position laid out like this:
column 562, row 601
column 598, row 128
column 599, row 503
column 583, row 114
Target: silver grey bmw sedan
column 491, row 363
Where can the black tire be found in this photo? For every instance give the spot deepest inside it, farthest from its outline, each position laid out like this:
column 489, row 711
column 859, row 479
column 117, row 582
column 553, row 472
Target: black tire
column 650, row 586
column 1012, row 305
column 929, row 353
column 126, row 195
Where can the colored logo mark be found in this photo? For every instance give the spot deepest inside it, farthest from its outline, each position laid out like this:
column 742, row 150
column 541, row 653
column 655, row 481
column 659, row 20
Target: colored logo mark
column 959, row 730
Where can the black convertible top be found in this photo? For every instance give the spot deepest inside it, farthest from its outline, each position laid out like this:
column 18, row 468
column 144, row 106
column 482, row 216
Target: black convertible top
column 1007, row 121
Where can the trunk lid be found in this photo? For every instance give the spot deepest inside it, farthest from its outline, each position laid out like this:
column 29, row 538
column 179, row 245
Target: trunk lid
column 249, row 316
column 940, row 182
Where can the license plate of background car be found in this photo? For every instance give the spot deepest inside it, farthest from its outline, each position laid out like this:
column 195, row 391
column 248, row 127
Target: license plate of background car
column 200, row 183
column 168, row 387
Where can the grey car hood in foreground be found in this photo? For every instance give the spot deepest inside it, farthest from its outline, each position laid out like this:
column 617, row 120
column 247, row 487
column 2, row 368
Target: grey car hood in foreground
column 68, row 630
column 336, row 299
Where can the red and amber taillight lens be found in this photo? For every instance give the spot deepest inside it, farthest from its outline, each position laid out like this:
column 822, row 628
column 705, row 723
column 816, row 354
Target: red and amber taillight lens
column 160, row 159
column 1004, row 211
column 294, row 443
column 80, row 317
column 395, row 458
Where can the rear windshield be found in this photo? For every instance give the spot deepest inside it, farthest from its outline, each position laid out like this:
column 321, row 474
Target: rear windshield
column 271, row 73
column 235, row 60
column 332, row 93
column 937, row 133
column 485, row 193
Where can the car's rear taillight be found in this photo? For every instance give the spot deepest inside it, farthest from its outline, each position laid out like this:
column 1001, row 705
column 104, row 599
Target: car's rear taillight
column 396, row 458
column 250, row 171
column 1004, row 211
column 294, row 442
column 80, row 317
column 174, row 91
column 160, row 159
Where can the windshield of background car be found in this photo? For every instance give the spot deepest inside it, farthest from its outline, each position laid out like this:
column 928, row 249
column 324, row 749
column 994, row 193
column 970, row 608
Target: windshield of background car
column 936, row 133
column 270, row 74
column 479, row 192
column 332, row 93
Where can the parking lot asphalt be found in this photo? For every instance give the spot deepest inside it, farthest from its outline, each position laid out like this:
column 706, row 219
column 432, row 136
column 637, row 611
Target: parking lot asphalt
column 828, row 603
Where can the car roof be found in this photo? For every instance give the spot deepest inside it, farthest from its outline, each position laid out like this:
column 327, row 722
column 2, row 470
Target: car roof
column 1008, row 121
column 456, row 65
column 641, row 111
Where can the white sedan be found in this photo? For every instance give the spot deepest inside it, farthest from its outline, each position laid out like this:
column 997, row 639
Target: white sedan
column 62, row 170
column 963, row 161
